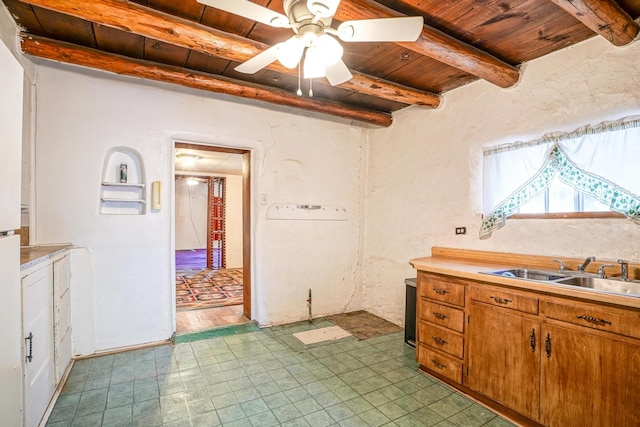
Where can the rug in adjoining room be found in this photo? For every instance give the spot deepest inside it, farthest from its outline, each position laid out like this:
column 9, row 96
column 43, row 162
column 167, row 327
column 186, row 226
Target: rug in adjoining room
column 363, row 325
column 208, row 288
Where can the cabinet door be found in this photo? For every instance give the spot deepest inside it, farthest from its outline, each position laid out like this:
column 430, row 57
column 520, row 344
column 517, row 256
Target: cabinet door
column 503, row 360
column 62, row 315
column 37, row 322
column 589, row 380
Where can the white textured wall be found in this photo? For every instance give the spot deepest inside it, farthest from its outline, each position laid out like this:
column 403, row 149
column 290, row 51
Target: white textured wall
column 295, row 159
column 192, row 205
column 425, row 172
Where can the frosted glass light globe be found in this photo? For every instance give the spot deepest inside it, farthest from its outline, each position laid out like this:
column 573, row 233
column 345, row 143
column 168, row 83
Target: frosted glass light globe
column 330, row 49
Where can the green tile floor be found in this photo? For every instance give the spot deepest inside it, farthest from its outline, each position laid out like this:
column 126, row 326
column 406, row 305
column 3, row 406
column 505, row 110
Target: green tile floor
column 263, row 378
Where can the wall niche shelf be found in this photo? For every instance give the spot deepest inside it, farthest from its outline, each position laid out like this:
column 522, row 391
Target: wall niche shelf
column 123, row 198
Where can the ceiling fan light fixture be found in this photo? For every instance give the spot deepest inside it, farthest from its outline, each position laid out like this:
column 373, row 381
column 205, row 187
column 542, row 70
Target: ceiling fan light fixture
column 329, row 49
column 314, row 66
column 323, row 8
column 290, row 52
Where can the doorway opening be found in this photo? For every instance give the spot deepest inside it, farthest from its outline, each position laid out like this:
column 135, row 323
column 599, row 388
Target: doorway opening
column 212, row 241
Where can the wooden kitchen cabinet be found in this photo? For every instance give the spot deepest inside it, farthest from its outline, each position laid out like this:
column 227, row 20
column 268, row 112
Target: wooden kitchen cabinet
column 540, row 359
column 440, row 319
column 503, row 357
column 588, row 379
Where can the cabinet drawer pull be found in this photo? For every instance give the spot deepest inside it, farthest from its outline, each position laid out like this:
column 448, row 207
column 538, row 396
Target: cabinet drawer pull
column 437, row 364
column 440, row 316
column 440, row 341
column 593, row 319
column 501, row 300
column 440, row 291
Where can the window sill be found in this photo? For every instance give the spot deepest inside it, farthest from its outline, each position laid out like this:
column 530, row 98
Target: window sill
column 568, row 215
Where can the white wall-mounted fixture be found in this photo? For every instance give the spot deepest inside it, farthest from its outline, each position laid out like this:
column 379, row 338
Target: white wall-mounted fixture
column 293, row 211
column 156, row 195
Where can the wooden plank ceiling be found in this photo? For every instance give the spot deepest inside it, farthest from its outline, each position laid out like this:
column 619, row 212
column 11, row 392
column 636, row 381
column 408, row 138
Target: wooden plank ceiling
column 186, row 43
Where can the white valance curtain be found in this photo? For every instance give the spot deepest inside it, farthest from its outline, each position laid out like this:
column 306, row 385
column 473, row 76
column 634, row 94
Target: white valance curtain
column 603, row 161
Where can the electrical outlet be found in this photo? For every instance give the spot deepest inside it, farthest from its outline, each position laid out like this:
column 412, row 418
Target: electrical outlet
column 263, row 199
column 461, row 230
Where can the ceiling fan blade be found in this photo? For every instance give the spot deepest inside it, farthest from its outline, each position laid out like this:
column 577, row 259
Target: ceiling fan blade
column 338, row 73
column 404, row 29
column 259, row 61
column 249, row 10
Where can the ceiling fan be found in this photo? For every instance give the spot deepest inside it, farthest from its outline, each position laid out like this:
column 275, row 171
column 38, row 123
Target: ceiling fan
column 314, row 38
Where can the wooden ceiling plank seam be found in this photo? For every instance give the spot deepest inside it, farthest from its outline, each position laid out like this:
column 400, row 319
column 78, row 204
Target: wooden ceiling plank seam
column 604, row 17
column 87, row 57
column 151, row 23
column 15, row 7
column 439, row 45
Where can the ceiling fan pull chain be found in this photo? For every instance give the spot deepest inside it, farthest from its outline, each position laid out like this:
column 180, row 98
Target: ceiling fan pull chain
column 299, row 92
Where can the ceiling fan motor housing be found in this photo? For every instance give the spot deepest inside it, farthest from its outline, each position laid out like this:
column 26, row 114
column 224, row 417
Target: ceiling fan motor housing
column 299, row 14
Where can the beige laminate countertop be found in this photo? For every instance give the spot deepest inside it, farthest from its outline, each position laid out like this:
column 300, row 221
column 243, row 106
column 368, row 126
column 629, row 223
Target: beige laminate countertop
column 473, row 270
column 32, row 255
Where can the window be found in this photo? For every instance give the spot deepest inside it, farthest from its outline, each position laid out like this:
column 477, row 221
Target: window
column 560, row 197
column 592, row 168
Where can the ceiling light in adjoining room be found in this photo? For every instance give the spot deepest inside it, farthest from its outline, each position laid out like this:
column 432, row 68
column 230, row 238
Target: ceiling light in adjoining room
column 192, row 181
column 188, row 159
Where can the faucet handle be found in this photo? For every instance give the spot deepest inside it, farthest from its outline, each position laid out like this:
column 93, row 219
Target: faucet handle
column 624, row 269
column 601, row 270
column 562, row 265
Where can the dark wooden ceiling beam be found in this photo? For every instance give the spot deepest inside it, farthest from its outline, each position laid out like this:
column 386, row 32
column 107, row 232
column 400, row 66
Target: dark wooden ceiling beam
column 87, row 57
column 604, row 17
column 438, row 45
column 147, row 22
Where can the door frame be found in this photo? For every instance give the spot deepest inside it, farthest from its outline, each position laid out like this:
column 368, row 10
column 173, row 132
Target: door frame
column 246, row 213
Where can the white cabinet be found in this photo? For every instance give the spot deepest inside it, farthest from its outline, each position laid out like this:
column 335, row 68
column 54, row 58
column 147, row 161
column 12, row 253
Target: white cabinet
column 46, row 331
column 37, row 328
column 61, row 315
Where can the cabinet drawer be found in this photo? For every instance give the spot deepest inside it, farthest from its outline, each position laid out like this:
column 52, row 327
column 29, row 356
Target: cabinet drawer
column 596, row 317
column 441, row 339
column 444, row 316
column 443, row 364
column 504, row 298
column 441, row 289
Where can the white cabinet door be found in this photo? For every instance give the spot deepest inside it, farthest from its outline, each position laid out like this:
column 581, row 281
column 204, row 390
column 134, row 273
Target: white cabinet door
column 10, row 333
column 37, row 323
column 61, row 315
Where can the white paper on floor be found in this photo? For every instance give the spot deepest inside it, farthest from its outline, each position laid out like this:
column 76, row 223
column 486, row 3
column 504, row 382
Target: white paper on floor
column 323, row 334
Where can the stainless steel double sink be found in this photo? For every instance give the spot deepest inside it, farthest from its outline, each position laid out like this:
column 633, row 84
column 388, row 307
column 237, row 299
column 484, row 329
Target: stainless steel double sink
column 570, row 278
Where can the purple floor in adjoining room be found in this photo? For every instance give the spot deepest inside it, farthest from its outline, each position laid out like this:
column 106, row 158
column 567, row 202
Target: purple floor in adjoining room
column 191, row 259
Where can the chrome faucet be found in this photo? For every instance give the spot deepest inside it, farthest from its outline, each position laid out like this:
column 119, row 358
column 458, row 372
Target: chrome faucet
column 562, row 265
column 624, row 270
column 586, row 262
column 601, row 272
